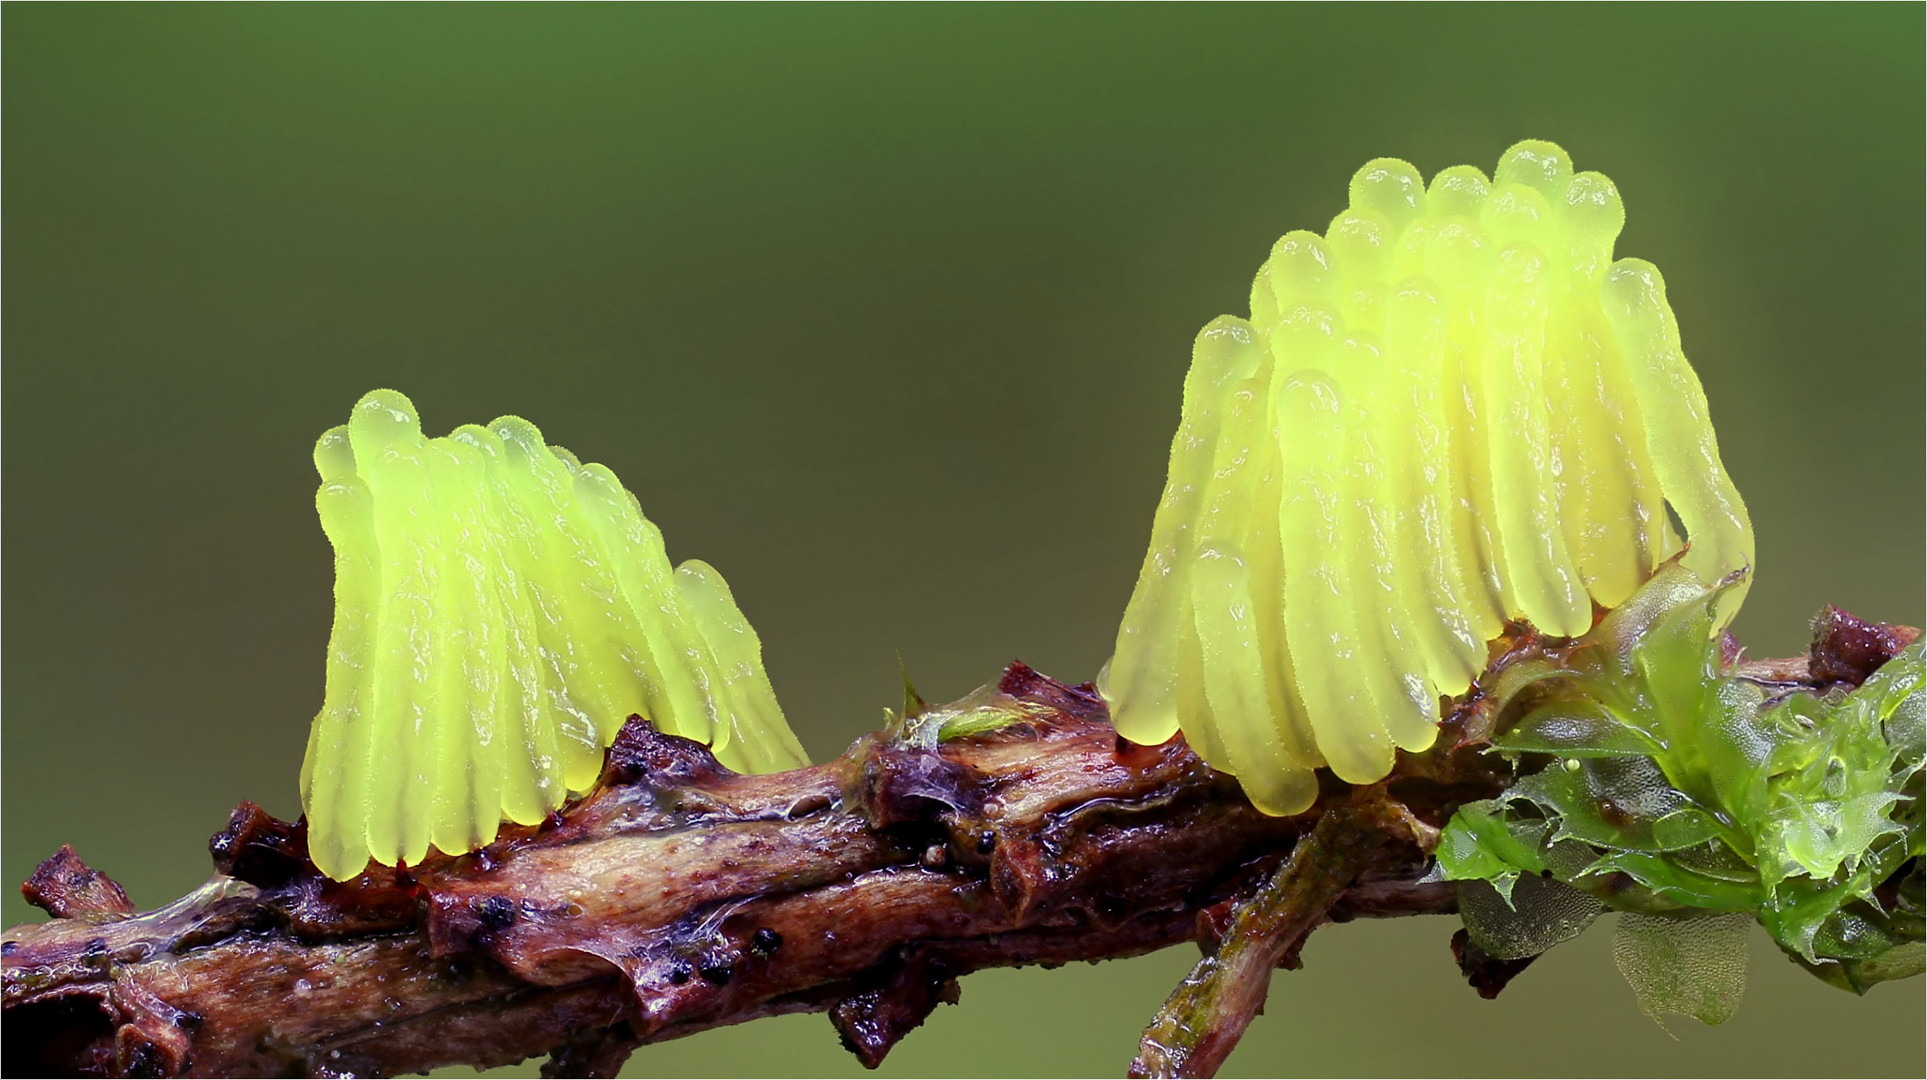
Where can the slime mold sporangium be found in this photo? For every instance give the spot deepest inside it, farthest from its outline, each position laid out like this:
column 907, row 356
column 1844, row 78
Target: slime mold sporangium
column 1452, row 410
column 500, row 610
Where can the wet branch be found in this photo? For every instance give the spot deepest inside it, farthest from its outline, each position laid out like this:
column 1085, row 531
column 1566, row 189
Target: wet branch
column 1208, row 1013
column 679, row 896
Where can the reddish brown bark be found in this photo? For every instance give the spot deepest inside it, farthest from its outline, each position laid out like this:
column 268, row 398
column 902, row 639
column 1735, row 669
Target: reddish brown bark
column 679, row 896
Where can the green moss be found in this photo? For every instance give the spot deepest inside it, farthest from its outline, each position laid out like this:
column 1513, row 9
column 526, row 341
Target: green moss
column 1690, row 791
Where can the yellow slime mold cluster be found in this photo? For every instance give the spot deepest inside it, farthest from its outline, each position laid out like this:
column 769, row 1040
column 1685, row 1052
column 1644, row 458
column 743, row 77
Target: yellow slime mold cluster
column 500, row 610
column 1452, row 409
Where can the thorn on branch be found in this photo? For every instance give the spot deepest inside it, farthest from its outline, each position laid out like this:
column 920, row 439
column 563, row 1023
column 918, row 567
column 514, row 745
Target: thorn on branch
column 890, row 1001
column 258, row 848
column 1485, row 974
column 67, row 888
column 1849, row 649
column 599, row 1052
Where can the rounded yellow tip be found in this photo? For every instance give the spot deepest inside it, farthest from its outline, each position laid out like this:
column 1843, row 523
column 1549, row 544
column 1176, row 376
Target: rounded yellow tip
column 1459, row 191
column 334, row 454
column 1593, row 211
column 384, row 417
column 1536, row 164
column 1390, row 188
column 1301, row 268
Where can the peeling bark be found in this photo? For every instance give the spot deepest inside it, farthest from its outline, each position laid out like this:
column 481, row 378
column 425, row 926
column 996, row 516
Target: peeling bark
column 679, row 896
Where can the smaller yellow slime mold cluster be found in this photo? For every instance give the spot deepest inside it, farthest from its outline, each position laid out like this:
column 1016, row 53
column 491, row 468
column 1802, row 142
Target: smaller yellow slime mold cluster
column 500, row 610
column 1452, row 409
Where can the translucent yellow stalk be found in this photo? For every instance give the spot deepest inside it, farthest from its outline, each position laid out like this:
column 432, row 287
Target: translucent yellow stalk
column 1144, row 673
column 1263, row 555
column 341, row 730
column 1233, row 668
column 754, row 723
column 1679, row 432
column 1320, row 619
column 1519, row 439
column 1418, row 479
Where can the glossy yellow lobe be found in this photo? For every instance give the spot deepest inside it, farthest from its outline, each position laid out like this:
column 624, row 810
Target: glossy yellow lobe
column 1472, row 415
column 500, row 610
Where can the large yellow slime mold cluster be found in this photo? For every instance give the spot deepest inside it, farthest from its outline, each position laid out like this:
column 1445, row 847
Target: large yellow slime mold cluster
column 500, row 610
column 1452, row 409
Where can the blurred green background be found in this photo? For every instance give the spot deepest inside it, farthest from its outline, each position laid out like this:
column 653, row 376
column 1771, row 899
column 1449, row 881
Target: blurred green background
column 883, row 311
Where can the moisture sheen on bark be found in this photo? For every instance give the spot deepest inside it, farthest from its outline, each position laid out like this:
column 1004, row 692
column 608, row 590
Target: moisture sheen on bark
column 680, row 896
column 676, row 897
